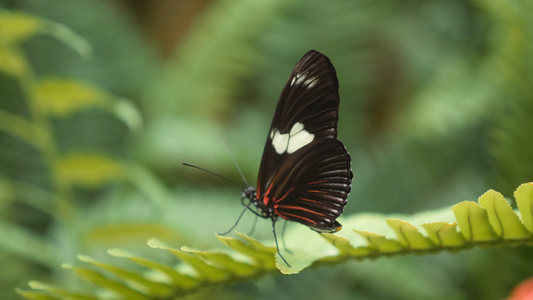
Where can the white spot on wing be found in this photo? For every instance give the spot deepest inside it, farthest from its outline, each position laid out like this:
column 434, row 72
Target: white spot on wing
column 299, row 140
column 296, row 128
column 310, row 82
column 293, row 81
column 302, row 78
column 280, row 142
column 290, row 142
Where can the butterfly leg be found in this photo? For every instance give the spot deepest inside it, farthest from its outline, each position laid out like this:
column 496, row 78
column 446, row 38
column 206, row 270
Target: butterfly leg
column 253, row 226
column 237, row 222
column 283, row 237
column 276, row 240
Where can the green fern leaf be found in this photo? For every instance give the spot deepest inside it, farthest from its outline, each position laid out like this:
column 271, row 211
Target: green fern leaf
column 490, row 222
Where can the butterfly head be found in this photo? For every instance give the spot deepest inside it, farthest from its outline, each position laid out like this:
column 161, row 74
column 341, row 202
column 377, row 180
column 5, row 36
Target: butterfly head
column 250, row 194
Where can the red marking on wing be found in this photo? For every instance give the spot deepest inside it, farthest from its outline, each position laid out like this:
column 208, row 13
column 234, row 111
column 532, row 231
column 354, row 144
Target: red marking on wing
column 259, row 186
column 317, row 182
column 288, row 216
column 283, row 197
column 266, row 197
column 304, row 209
column 309, row 200
column 315, row 191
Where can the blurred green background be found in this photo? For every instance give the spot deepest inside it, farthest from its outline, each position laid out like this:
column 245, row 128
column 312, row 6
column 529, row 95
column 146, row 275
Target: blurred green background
column 101, row 101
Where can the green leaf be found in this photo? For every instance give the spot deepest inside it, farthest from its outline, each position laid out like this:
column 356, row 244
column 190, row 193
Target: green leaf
column 524, row 200
column 68, row 37
column 117, row 287
column 127, row 113
column 473, row 222
column 179, row 280
column 204, row 270
column 380, row 243
column 12, row 61
column 36, row 285
column 62, row 97
column 33, row 295
column 409, row 235
column 16, row 27
column 493, row 223
column 150, row 287
column 442, row 233
column 225, row 262
column 88, row 170
column 502, row 218
column 26, row 244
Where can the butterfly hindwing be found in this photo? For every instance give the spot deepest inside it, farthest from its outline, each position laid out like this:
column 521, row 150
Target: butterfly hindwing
column 312, row 185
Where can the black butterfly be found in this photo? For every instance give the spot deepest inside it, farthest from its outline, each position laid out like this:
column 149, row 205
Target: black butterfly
column 305, row 173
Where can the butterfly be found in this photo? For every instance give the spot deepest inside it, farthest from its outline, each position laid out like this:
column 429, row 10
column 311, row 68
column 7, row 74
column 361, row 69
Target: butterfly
column 305, row 173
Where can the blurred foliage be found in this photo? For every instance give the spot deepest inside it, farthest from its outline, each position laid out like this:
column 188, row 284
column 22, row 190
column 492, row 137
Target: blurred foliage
column 436, row 98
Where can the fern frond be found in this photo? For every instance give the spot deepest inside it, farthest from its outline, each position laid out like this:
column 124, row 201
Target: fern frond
column 490, row 222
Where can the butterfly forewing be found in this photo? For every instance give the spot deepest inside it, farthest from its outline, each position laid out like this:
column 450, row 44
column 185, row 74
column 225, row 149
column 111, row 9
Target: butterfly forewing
column 305, row 171
column 310, row 99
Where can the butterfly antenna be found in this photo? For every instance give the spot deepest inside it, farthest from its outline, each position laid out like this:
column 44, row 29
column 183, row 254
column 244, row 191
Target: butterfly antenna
column 236, row 165
column 276, row 240
column 212, row 173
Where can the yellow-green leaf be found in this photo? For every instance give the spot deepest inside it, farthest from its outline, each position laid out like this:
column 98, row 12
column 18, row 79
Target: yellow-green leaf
column 474, row 227
column 503, row 219
column 225, row 262
column 380, row 243
column 409, row 235
column 342, row 244
column 206, row 271
column 87, row 170
column 444, row 234
column 16, row 27
column 23, row 129
column 150, row 287
column 474, row 222
column 36, row 285
column 33, row 295
column 524, row 200
column 261, row 258
column 179, row 280
column 62, row 97
column 114, row 286
column 12, row 62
